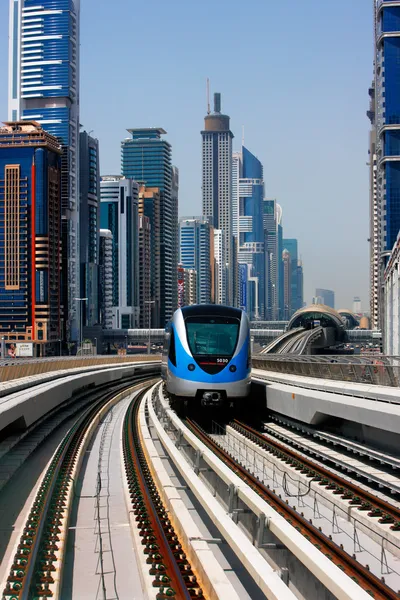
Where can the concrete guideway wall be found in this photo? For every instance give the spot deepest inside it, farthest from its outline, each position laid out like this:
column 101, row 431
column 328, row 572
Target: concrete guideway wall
column 372, row 413
column 25, row 368
column 22, row 409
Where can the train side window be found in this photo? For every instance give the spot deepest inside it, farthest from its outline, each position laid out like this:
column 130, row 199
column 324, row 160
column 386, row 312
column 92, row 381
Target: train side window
column 172, row 352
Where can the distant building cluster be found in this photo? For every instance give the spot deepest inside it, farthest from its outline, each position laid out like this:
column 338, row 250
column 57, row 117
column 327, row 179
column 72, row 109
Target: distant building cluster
column 81, row 251
column 235, row 252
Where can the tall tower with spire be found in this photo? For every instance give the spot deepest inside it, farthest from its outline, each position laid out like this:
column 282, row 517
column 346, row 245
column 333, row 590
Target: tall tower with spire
column 217, row 190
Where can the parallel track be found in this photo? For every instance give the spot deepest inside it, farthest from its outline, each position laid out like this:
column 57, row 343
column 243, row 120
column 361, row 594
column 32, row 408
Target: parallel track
column 166, row 559
column 367, row 581
column 357, row 496
column 33, row 572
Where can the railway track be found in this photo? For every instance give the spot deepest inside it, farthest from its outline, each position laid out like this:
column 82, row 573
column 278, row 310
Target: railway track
column 375, row 506
column 36, row 569
column 166, row 559
column 360, row 574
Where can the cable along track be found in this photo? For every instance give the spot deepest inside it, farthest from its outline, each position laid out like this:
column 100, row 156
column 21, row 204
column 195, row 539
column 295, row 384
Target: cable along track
column 36, row 570
column 377, row 507
column 357, row 572
column 173, row 575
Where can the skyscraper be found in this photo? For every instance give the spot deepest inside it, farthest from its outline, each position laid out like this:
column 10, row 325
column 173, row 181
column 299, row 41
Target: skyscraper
column 44, row 86
column 146, row 157
column 30, row 191
column 270, row 223
column 195, row 248
column 287, row 284
column 375, row 222
column 219, row 267
column 106, row 279
column 89, row 220
column 248, row 181
column 291, row 245
column 119, row 214
column 328, row 296
column 144, row 271
column 149, row 206
column 217, row 193
column 385, row 114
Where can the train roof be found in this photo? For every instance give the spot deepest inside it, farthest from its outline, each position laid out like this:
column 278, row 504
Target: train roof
column 211, row 309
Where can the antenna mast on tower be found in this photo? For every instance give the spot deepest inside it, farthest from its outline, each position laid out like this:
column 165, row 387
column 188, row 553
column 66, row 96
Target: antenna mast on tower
column 208, row 96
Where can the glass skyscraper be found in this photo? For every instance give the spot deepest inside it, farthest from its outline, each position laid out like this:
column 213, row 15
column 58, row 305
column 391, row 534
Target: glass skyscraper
column 30, row 178
column 119, row 214
column 43, row 86
column 249, row 183
column 194, row 249
column 217, row 193
column 146, row 157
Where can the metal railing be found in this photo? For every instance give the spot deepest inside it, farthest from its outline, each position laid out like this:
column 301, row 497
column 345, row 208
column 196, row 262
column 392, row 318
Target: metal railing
column 374, row 370
column 16, row 368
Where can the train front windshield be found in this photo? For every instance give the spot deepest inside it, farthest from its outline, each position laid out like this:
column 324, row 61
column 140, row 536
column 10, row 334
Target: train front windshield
column 212, row 336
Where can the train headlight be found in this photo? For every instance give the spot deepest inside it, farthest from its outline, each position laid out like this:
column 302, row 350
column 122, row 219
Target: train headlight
column 232, row 368
column 191, row 367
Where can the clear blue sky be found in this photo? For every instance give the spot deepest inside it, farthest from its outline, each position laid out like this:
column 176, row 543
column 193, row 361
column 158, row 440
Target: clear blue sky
column 294, row 73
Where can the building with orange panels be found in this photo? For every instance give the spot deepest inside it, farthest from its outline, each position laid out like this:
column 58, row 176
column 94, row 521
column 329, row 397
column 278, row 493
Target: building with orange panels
column 30, row 233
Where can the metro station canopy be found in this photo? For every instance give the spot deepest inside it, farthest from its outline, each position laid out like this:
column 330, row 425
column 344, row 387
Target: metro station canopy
column 327, row 316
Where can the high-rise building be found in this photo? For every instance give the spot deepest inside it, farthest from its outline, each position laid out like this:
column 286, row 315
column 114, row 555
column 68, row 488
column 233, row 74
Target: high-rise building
column 30, row 193
column 217, row 193
column 89, row 222
column 375, row 219
column 149, row 206
column 300, row 285
column 251, row 229
column 144, row 271
column 44, row 86
column 146, row 157
column 287, row 284
column 385, row 116
column 194, row 248
column 279, row 268
column 357, row 305
column 219, row 267
column 237, row 174
column 106, row 279
column 292, row 246
column 328, row 296
column 270, row 223
column 175, row 233
column 119, row 214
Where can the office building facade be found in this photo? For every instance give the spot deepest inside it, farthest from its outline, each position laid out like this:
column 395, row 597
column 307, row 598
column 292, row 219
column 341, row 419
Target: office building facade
column 195, row 253
column 327, row 296
column 30, row 249
column 217, row 193
column 150, row 207
column 44, row 86
column 270, row 224
column 144, row 271
column 119, row 214
column 251, row 248
column 106, row 277
column 146, row 157
column 386, row 139
column 89, row 223
column 287, row 284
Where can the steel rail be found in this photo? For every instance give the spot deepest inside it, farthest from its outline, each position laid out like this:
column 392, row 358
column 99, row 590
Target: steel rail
column 31, row 572
column 360, row 574
column 165, row 556
column 357, row 496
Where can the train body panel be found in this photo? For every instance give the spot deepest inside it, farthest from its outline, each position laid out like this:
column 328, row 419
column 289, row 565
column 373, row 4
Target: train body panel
column 207, row 354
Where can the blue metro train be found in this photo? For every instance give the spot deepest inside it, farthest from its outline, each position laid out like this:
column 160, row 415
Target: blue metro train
column 207, row 356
